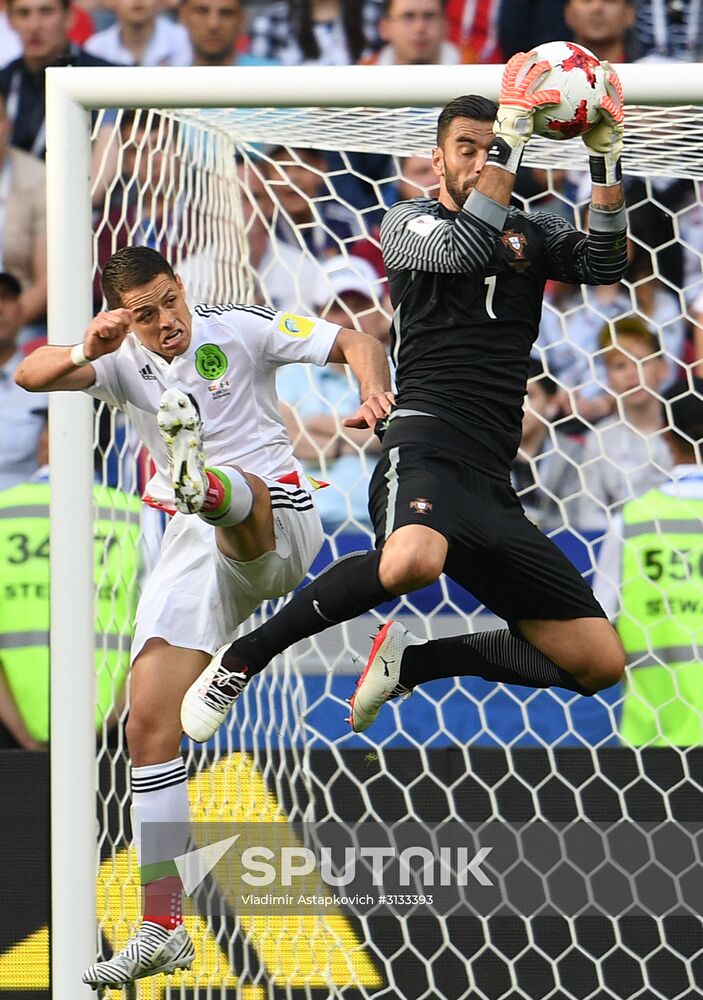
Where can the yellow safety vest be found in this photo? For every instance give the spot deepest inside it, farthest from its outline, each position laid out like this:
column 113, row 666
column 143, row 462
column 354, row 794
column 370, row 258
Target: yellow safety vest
column 24, row 596
column 661, row 620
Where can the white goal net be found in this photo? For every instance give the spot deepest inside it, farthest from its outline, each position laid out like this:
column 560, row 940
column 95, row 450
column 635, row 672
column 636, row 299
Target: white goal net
column 281, row 206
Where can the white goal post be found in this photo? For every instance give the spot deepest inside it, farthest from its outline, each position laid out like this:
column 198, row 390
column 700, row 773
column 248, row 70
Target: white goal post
column 72, row 93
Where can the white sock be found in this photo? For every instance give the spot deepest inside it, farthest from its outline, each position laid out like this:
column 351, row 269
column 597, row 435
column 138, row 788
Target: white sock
column 160, row 795
column 233, row 501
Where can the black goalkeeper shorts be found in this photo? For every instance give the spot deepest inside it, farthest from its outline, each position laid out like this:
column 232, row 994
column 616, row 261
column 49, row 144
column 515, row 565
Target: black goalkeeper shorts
column 495, row 552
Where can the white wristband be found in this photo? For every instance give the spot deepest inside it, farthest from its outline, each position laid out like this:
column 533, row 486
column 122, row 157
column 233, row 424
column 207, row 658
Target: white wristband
column 78, row 357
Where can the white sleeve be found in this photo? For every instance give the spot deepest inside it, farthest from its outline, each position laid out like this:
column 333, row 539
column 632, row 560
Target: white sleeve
column 107, row 383
column 289, row 338
column 608, row 575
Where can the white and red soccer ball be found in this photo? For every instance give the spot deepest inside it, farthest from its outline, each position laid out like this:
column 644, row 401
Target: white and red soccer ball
column 582, row 82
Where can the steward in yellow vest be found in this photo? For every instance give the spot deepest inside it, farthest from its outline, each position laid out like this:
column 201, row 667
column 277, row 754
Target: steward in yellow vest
column 655, row 554
column 661, row 618
column 25, row 598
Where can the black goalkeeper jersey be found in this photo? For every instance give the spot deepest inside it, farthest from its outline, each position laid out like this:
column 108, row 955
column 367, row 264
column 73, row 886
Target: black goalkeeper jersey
column 468, row 300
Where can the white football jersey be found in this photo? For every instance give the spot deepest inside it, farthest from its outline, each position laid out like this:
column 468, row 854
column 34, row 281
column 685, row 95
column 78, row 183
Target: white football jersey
column 230, row 370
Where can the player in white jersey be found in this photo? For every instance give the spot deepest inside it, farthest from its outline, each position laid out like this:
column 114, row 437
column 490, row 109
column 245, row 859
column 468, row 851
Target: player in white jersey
column 198, row 389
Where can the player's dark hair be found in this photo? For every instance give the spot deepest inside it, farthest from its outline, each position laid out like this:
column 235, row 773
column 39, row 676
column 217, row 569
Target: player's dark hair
column 480, row 109
column 129, row 268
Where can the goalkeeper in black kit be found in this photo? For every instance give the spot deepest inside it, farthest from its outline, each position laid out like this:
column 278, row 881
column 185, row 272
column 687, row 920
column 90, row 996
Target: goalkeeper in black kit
column 467, row 275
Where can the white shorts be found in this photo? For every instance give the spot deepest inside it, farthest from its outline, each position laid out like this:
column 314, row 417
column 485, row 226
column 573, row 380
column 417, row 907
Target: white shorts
column 196, row 597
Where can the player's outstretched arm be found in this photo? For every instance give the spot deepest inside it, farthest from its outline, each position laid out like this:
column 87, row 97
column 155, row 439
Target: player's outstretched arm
column 52, row 368
column 367, row 359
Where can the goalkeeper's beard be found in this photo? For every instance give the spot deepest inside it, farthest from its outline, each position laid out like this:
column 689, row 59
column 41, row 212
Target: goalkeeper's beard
column 457, row 193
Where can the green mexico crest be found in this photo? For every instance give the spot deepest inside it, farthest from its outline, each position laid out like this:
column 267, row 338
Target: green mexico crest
column 210, row 362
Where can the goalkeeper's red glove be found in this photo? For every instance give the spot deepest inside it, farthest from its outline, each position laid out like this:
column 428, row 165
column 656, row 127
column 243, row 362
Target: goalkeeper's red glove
column 604, row 141
column 517, row 104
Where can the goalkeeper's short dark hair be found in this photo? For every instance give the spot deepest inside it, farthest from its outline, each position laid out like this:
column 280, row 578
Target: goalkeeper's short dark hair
column 480, row 109
column 130, row 268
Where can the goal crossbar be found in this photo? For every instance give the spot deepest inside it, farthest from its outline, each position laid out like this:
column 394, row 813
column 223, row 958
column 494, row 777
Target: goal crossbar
column 320, row 86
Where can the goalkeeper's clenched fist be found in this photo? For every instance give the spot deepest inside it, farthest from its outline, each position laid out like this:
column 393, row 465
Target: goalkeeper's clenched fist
column 604, row 140
column 517, row 105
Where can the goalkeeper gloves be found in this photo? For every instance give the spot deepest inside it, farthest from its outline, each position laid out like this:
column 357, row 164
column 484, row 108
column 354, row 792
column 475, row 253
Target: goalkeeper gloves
column 517, row 105
column 604, row 140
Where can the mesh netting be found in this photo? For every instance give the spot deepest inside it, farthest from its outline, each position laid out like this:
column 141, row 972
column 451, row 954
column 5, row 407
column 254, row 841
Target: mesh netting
column 661, row 141
column 272, row 206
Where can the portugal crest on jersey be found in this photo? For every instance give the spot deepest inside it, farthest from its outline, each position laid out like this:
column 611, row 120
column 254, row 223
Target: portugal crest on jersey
column 210, row 362
column 421, row 505
column 516, row 242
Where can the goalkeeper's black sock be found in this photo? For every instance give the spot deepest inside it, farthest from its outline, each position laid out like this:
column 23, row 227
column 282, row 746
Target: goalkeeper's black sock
column 348, row 588
column 495, row 656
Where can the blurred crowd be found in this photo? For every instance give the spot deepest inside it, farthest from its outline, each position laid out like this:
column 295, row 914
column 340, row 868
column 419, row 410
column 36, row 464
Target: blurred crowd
column 594, row 421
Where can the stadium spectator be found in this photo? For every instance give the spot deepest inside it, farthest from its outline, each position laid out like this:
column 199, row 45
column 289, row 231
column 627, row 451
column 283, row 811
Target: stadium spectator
column 282, row 275
column 215, row 28
column 415, row 33
column 545, row 471
column 571, row 326
column 43, row 27
column 650, row 584
column 23, row 225
column 348, row 291
column 141, row 37
column 473, row 27
column 81, row 27
column 10, row 45
column 22, row 417
column 669, row 29
column 522, row 24
column 601, row 26
column 25, row 607
column 306, row 210
column 316, row 32
column 627, row 453
column 417, row 178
